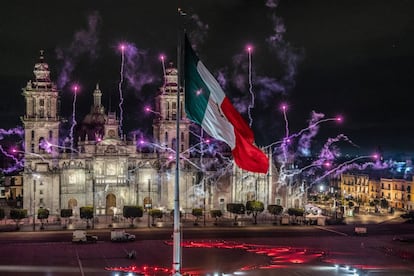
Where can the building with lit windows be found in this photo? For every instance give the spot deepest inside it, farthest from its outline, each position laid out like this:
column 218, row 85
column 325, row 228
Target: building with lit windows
column 363, row 189
column 99, row 167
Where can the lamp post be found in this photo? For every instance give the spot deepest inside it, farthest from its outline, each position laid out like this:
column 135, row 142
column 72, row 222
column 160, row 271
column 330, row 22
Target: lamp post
column 255, row 192
column 204, row 203
column 34, row 204
column 149, row 202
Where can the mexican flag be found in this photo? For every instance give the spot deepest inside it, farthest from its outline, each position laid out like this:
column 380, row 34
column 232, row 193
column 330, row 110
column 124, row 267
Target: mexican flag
column 207, row 105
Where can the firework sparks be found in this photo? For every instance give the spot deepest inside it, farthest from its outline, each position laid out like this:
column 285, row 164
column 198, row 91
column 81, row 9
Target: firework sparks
column 121, row 96
column 75, row 89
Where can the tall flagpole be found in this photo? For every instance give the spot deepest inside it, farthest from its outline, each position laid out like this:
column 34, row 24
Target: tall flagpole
column 177, row 230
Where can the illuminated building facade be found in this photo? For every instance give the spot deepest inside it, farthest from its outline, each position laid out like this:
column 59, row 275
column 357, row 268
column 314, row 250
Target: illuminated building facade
column 97, row 166
column 362, row 189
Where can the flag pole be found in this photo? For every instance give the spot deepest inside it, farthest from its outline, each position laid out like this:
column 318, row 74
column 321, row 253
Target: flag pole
column 176, row 266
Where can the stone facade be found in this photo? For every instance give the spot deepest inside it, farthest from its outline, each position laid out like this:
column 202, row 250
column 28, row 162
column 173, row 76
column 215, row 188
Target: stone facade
column 97, row 167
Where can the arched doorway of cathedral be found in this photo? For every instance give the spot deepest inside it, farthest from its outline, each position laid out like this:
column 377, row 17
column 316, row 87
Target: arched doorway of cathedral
column 147, row 203
column 73, row 204
column 250, row 196
column 110, row 204
column 296, row 203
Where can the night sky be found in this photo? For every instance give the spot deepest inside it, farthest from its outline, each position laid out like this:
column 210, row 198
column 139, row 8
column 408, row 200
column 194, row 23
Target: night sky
column 351, row 58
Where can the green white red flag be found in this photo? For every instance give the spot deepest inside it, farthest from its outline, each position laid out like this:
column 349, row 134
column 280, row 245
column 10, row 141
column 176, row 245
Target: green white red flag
column 207, row 105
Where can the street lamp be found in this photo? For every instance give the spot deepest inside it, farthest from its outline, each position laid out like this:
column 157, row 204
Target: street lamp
column 34, row 202
column 204, row 203
column 149, row 201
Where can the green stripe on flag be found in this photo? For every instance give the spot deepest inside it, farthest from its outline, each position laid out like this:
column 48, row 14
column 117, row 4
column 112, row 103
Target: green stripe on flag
column 196, row 91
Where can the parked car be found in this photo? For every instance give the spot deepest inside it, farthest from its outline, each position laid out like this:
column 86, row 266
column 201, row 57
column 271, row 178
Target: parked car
column 80, row 236
column 121, row 235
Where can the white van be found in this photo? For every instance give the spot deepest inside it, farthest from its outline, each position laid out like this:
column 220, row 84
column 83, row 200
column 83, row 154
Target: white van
column 81, row 236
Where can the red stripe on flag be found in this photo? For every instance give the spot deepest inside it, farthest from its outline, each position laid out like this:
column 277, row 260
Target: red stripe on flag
column 246, row 155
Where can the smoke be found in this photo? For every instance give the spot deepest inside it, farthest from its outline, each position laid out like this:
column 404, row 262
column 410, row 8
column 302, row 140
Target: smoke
column 305, row 139
column 272, row 3
column 288, row 56
column 19, row 131
column 200, row 30
column 136, row 69
column 84, row 42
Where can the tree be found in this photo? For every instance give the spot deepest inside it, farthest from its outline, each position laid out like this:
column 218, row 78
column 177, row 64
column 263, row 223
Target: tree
column 275, row 209
column 66, row 213
column 17, row 215
column 42, row 214
column 237, row 209
column 254, row 207
column 132, row 212
column 297, row 212
column 216, row 214
column 155, row 213
column 86, row 213
column 197, row 213
column 384, row 203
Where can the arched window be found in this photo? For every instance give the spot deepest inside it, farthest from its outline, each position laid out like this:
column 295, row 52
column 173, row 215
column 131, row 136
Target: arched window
column 173, row 144
column 41, row 143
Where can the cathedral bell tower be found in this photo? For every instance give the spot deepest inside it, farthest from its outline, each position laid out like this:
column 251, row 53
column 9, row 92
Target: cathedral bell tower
column 41, row 120
column 165, row 124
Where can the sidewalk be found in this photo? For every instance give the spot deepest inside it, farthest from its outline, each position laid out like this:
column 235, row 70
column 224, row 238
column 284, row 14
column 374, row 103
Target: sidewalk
column 167, row 222
column 372, row 218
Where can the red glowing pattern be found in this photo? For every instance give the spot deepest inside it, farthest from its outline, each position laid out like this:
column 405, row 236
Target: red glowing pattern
column 279, row 256
column 284, row 107
column 147, row 109
column 339, row 119
column 141, row 142
column 141, row 270
column 249, row 48
column 162, row 57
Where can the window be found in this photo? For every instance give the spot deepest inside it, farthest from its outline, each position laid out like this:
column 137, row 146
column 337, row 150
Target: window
column 174, row 110
column 50, row 135
column 32, row 134
column 42, row 102
column 41, row 192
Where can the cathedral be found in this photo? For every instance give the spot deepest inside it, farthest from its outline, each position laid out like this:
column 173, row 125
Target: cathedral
column 98, row 166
